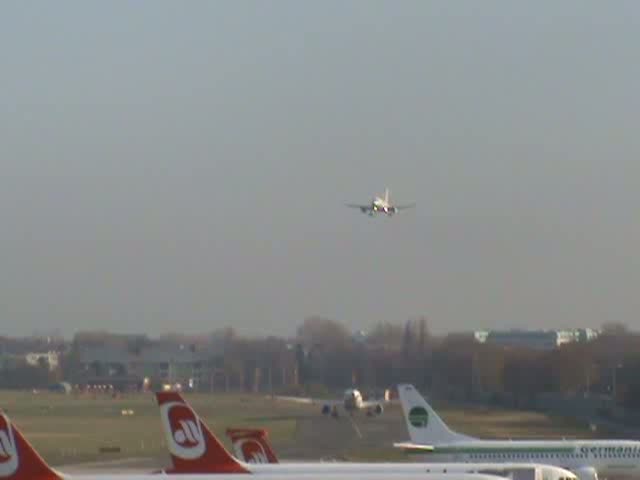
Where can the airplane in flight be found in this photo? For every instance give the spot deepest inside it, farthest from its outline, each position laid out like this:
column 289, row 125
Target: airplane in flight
column 351, row 402
column 586, row 458
column 381, row 205
column 195, row 449
column 252, row 446
column 20, row 461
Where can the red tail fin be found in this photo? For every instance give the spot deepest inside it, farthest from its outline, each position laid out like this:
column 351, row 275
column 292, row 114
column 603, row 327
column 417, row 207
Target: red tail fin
column 252, row 445
column 18, row 459
column 193, row 447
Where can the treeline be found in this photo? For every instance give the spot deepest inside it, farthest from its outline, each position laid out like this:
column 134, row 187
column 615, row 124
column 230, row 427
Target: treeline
column 23, row 376
column 325, row 355
column 459, row 367
column 329, row 356
column 605, row 366
column 17, row 373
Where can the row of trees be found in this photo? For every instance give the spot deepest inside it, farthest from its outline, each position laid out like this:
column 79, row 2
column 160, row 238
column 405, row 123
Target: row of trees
column 324, row 354
column 458, row 366
column 23, row 376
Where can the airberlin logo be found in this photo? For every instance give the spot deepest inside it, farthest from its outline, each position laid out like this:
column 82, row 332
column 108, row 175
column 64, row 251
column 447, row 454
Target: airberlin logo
column 418, row 417
column 251, row 450
column 183, row 431
column 8, row 451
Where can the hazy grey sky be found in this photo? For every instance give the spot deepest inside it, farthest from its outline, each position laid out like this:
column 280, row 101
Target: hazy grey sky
column 181, row 166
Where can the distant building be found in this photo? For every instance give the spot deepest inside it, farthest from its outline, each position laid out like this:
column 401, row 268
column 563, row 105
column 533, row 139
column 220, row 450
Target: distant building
column 31, row 351
column 360, row 337
column 167, row 363
column 536, row 339
column 10, row 361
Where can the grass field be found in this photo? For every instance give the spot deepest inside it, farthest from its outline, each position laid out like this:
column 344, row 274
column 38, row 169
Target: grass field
column 72, row 429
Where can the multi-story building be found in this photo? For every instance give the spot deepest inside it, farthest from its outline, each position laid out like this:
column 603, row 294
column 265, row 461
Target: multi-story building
column 159, row 362
column 536, row 339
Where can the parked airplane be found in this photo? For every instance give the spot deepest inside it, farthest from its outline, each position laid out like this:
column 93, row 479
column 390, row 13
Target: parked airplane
column 381, row 205
column 194, row 448
column 253, row 446
column 351, row 401
column 19, row 461
column 588, row 459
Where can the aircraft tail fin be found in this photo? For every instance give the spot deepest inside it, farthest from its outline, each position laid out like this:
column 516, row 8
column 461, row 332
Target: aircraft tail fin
column 386, row 196
column 252, row 445
column 193, row 447
column 18, row 459
column 424, row 425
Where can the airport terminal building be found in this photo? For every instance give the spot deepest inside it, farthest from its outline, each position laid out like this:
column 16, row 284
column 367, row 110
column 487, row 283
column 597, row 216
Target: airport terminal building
column 536, row 339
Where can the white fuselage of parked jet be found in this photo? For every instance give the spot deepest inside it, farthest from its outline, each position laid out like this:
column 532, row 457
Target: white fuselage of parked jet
column 291, row 476
column 588, row 459
column 508, row 470
column 253, row 448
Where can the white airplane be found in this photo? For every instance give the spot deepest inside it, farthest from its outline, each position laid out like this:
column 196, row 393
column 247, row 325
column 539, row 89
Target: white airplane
column 381, row 205
column 187, row 436
column 588, row 459
column 253, row 447
column 19, row 461
column 351, row 401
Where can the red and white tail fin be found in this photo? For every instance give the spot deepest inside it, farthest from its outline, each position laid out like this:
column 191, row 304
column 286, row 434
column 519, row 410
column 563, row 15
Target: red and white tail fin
column 18, row 459
column 193, row 447
column 252, row 445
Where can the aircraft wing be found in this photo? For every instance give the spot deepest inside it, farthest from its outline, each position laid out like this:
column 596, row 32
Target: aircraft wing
column 372, row 403
column 294, row 399
column 413, row 447
column 331, row 403
column 354, row 205
column 312, row 401
column 405, row 207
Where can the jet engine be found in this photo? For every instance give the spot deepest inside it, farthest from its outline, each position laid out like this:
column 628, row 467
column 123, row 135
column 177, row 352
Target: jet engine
column 326, row 409
column 377, row 410
column 586, row 473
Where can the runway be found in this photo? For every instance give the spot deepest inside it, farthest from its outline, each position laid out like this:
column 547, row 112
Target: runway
column 317, row 437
